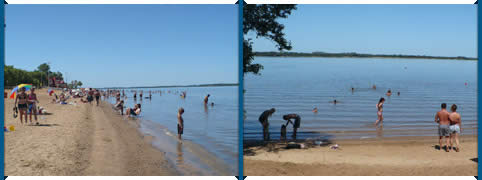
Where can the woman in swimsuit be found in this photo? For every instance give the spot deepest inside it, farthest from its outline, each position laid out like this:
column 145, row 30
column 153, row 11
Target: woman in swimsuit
column 380, row 111
column 21, row 100
column 134, row 111
column 32, row 105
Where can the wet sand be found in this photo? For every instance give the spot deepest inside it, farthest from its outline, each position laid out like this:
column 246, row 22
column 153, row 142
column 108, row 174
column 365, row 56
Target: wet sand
column 79, row 139
column 405, row 156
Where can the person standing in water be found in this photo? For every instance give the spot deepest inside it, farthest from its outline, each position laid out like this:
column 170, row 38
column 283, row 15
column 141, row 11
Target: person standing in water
column 455, row 127
column 180, row 123
column 296, row 124
column 32, row 105
column 442, row 118
column 206, row 99
column 150, row 94
column 263, row 119
column 380, row 111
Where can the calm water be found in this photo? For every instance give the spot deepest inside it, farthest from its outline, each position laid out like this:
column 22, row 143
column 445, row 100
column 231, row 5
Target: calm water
column 210, row 138
column 297, row 85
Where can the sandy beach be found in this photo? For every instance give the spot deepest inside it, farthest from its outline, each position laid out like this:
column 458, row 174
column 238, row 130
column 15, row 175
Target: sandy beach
column 388, row 156
column 80, row 139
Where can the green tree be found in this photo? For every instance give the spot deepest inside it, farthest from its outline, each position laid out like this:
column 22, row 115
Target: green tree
column 44, row 67
column 263, row 20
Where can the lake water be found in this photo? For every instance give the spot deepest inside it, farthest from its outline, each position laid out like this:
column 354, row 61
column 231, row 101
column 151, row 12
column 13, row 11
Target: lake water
column 297, row 85
column 210, row 139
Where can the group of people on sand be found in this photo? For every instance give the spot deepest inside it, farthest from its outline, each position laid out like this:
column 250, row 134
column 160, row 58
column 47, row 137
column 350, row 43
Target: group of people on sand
column 26, row 104
column 449, row 126
column 263, row 119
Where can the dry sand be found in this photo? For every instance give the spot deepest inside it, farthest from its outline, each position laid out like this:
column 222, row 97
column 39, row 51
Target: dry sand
column 80, row 139
column 388, row 156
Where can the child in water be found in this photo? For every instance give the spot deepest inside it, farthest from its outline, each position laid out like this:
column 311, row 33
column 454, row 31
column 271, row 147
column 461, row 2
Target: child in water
column 180, row 123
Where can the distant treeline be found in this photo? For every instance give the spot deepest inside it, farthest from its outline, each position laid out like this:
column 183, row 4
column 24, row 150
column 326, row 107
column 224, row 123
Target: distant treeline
column 355, row 55
column 174, row 86
column 38, row 77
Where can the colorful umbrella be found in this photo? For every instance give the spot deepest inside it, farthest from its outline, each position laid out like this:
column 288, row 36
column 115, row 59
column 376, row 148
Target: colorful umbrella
column 14, row 91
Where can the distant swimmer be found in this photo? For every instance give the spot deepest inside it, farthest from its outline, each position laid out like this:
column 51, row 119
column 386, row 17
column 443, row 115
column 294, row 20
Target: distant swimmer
column 352, row 89
column 140, row 95
column 212, row 104
column 180, row 123
column 374, row 87
column 296, row 124
column 398, row 93
column 263, row 119
column 135, row 94
column 380, row 111
column 335, row 102
column 315, row 110
column 206, row 99
column 389, row 92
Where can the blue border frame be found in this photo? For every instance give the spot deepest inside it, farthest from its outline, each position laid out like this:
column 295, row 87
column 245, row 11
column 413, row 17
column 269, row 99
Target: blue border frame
column 2, row 102
column 479, row 86
column 240, row 89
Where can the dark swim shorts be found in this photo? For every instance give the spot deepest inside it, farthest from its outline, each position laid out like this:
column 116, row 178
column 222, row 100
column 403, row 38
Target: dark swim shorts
column 179, row 129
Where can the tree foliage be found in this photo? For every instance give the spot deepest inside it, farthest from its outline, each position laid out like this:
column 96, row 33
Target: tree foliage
column 263, row 20
column 14, row 76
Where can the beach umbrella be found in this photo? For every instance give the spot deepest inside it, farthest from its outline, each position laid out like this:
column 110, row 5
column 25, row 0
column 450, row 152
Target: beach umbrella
column 14, row 90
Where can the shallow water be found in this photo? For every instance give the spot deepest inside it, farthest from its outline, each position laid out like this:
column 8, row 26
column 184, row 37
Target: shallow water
column 209, row 144
column 297, row 85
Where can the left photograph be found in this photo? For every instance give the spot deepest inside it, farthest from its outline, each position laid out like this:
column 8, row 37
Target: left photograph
column 119, row 90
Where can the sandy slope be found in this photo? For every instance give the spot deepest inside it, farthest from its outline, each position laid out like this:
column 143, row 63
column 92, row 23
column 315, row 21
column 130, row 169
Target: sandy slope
column 79, row 139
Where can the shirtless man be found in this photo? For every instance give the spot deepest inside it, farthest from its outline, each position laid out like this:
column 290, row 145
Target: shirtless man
column 263, row 119
column 455, row 127
column 206, row 99
column 442, row 118
column 296, row 124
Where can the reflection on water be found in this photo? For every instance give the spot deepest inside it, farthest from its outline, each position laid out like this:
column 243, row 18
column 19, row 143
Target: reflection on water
column 298, row 85
column 180, row 159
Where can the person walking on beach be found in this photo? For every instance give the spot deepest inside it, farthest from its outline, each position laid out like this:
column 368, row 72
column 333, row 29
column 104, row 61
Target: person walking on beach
column 296, row 124
column 180, row 123
column 442, row 118
column 380, row 111
column 32, row 105
column 263, row 119
column 97, row 96
column 455, row 127
column 206, row 99
column 90, row 96
column 21, row 101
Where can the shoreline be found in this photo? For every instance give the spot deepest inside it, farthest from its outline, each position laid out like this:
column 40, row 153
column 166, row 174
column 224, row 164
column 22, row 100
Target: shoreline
column 388, row 156
column 79, row 139
column 185, row 156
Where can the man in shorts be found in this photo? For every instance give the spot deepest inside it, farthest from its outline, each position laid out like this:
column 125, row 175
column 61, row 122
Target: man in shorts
column 263, row 119
column 442, row 118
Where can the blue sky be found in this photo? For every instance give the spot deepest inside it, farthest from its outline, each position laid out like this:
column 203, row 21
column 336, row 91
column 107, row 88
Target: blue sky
column 126, row 45
column 440, row 30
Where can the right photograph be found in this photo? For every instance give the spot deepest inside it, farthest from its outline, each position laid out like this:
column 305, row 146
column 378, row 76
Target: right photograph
column 360, row 90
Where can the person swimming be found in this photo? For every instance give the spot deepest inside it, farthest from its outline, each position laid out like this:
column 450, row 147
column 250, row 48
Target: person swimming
column 315, row 110
column 380, row 111
column 389, row 92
